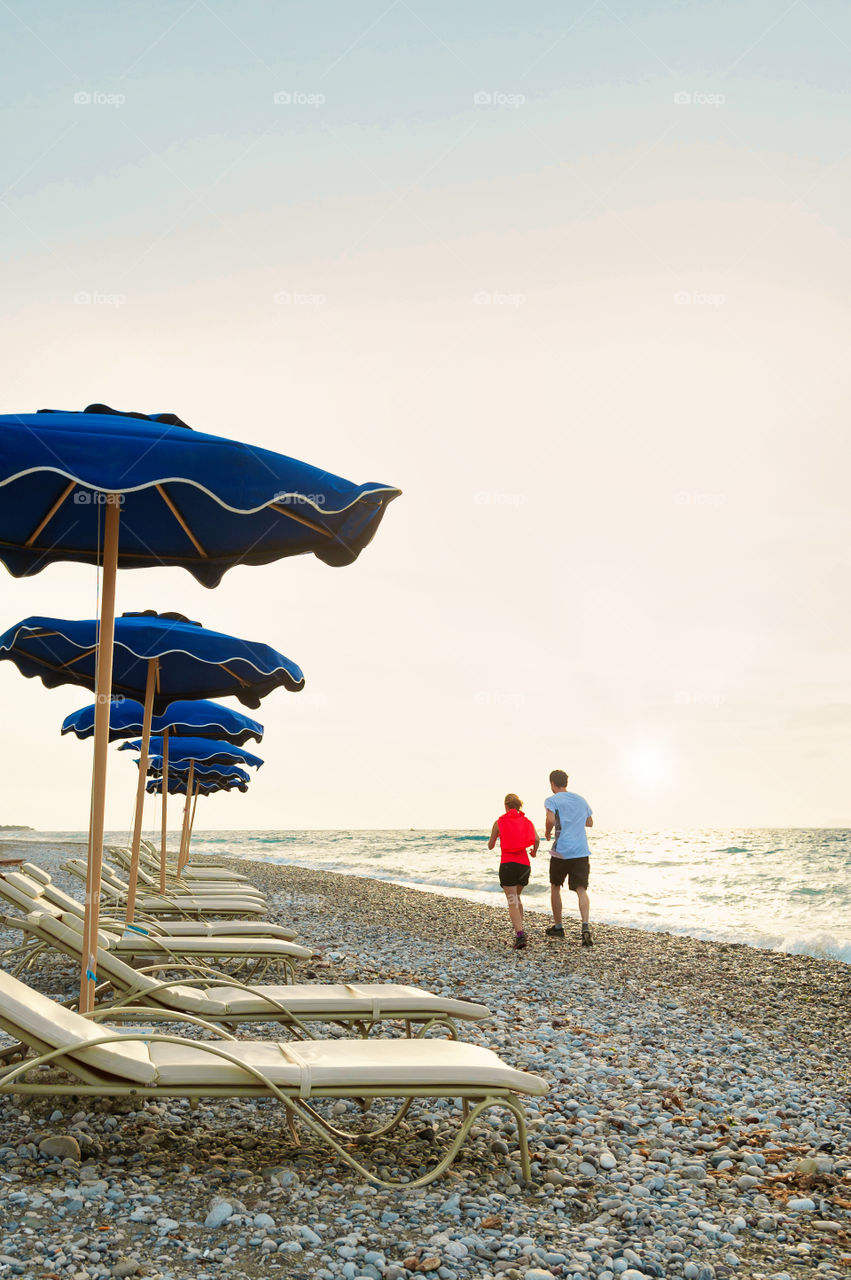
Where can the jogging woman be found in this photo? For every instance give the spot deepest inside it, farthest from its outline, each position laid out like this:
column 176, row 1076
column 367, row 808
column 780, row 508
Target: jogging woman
column 517, row 837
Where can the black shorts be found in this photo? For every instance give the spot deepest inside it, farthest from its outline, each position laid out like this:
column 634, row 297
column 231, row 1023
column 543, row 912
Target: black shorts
column 514, row 874
column 574, row 870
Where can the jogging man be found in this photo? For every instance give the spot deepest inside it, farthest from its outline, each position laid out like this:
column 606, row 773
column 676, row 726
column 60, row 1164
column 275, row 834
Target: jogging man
column 567, row 817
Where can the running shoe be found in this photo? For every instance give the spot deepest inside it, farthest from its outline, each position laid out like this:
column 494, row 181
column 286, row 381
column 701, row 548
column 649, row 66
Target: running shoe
column 555, row 931
column 587, row 940
column 520, row 942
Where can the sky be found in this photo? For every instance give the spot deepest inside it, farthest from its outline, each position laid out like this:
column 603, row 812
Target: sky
column 574, row 276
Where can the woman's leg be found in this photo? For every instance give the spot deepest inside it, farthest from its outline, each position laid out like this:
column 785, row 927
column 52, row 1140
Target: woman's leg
column 515, row 909
column 520, row 889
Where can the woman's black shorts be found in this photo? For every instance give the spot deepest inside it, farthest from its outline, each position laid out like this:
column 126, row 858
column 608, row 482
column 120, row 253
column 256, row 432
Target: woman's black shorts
column 514, row 874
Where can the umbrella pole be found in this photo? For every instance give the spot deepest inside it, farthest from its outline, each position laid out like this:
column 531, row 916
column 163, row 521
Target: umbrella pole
column 191, row 823
column 103, row 690
column 140, row 789
column 165, row 809
column 181, row 857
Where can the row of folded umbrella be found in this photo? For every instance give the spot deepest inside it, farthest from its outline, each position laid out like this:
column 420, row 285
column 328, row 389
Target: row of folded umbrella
column 128, row 490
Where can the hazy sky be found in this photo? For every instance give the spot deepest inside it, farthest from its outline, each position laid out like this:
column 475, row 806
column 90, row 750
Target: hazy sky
column 575, row 276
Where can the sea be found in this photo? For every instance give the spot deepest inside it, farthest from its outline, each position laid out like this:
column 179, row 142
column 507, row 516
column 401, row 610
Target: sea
column 785, row 890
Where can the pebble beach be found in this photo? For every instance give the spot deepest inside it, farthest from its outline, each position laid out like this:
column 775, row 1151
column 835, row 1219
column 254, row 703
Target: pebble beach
column 697, row 1122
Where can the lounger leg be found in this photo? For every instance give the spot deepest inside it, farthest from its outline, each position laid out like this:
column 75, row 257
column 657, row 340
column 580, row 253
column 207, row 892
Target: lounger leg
column 439, row 1021
column 308, row 1117
column 347, row 1136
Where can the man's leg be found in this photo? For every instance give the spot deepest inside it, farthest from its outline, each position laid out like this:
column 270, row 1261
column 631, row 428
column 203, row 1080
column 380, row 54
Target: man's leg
column 555, row 900
column 580, row 887
column 515, row 910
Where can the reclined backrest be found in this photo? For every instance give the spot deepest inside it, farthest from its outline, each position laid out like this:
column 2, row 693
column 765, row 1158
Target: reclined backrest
column 35, row 873
column 38, row 1020
column 18, row 889
column 65, row 932
column 77, row 868
column 59, row 898
column 74, row 924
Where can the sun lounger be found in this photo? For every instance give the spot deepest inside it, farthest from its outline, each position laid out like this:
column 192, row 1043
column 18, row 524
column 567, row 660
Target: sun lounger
column 140, row 1064
column 197, row 877
column 191, row 870
column 151, row 878
column 173, row 904
column 205, row 994
column 177, row 888
column 252, row 955
column 183, row 927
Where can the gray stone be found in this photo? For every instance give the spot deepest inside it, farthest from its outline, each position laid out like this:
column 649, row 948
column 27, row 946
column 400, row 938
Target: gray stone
column 219, row 1214
column 61, row 1148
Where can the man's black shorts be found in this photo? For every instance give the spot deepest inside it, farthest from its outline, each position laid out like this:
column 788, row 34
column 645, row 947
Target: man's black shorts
column 575, row 870
column 514, row 874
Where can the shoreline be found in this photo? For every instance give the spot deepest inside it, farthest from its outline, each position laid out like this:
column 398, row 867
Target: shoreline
column 794, row 924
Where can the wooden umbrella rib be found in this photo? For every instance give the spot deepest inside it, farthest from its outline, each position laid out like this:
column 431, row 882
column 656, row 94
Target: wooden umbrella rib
column 78, row 657
column 233, row 675
column 172, row 506
column 51, row 513
column 86, row 554
column 310, row 524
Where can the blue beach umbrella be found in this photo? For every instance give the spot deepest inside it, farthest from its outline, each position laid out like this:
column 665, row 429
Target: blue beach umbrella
column 191, row 782
column 202, row 750
column 186, row 498
column 198, row 719
column 158, row 657
column 130, row 490
column 178, row 786
column 207, row 772
column 191, row 660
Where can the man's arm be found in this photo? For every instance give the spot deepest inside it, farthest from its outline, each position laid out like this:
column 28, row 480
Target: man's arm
column 494, row 835
column 589, row 821
column 550, row 824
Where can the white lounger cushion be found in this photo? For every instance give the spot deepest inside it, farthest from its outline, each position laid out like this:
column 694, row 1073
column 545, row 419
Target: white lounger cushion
column 215, row 928
column 344, row 1064
column 36, row 873
column 241, row 906
column 371, row 1001
column 220, row 945
column 347, row 1065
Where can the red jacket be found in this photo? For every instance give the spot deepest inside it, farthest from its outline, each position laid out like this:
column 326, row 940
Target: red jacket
column 516, row 833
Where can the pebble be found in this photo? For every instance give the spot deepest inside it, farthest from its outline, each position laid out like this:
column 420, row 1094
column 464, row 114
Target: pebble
column 63, row 1148
column 219, row 1214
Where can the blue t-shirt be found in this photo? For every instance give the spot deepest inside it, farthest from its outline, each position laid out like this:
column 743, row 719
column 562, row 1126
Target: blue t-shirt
column 570, row 811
